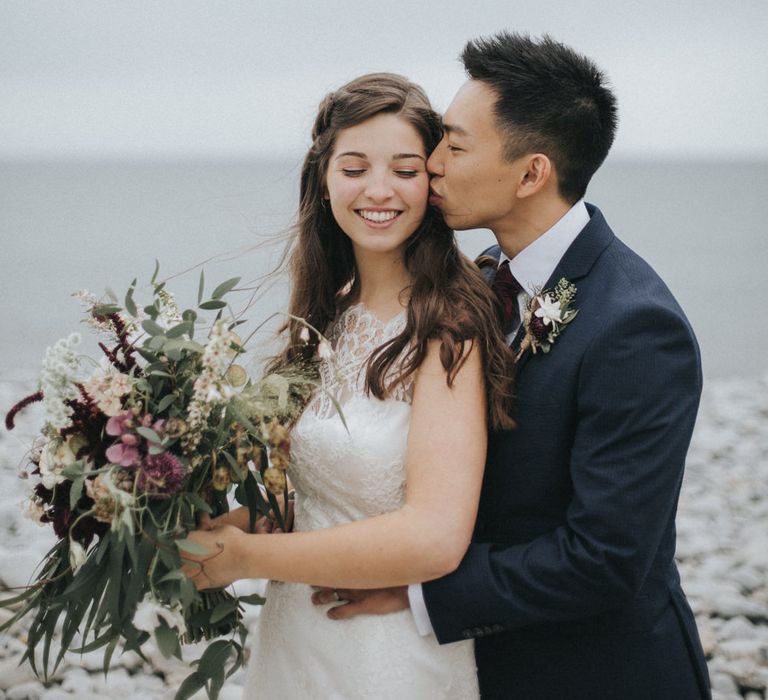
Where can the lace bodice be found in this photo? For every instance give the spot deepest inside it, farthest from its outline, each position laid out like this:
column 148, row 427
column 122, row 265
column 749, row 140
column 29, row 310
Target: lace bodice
column 349, row 466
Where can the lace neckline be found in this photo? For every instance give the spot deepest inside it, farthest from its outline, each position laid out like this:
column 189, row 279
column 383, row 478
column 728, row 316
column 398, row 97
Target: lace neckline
column 360, row 310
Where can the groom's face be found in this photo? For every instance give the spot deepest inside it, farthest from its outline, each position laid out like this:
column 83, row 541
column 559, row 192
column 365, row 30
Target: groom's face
column 472, row 184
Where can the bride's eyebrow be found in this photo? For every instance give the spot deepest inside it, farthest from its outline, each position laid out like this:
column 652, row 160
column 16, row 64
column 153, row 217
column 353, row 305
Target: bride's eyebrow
column 401, row 156
column 397, row 156
column 354, row 154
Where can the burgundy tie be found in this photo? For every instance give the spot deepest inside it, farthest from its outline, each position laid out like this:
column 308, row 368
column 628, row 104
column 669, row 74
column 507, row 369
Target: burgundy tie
column 507, row 288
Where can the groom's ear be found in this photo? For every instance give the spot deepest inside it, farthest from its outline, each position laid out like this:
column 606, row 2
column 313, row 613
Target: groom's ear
column 537, row 172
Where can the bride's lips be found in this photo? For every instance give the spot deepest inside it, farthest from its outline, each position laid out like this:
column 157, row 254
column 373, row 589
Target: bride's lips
column 378, row 217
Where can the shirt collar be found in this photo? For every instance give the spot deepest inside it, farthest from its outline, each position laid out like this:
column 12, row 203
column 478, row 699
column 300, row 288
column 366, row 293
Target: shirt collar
column 535, row 263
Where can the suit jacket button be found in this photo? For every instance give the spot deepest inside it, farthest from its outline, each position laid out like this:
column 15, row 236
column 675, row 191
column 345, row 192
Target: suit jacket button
column 498, row 628
column 479, row 631
column 467, row 634
column 487, row 630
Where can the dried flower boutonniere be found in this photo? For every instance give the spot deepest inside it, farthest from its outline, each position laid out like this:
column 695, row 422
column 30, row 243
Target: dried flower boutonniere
column 546, row 314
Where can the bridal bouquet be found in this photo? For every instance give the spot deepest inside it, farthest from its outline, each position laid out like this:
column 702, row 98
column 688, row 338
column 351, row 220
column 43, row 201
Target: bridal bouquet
column 132, row 451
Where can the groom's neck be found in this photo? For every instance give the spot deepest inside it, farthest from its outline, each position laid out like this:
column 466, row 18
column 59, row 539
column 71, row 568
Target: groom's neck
column 529, row 220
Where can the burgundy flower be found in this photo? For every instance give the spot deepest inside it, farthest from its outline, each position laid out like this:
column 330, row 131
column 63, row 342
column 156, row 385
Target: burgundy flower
column 161, row 475
column 539, row 329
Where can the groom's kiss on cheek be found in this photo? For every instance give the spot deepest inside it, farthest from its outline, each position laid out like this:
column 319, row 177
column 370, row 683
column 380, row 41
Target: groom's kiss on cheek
column 472, row 183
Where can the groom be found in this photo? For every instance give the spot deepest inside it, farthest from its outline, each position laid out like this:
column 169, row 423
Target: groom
column 570, row 587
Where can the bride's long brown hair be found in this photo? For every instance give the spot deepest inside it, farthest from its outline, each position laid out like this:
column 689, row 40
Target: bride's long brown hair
column 449, row 299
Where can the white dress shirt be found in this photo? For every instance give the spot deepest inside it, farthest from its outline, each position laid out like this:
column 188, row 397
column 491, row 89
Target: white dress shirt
column 531, row 267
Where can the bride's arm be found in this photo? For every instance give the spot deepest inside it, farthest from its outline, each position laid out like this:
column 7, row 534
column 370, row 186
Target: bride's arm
column 423, row 540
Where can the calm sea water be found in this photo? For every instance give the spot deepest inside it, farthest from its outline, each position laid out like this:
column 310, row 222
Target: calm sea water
column 67, row 226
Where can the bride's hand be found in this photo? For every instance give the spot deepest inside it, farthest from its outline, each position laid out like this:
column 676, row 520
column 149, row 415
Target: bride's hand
column 376, row 601
column 222, row 564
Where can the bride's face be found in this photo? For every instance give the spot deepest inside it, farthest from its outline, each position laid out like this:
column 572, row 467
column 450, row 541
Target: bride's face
column 377, row 183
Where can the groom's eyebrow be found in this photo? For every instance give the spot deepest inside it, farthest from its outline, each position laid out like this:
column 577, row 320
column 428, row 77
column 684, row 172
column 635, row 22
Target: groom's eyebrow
column 454, row 129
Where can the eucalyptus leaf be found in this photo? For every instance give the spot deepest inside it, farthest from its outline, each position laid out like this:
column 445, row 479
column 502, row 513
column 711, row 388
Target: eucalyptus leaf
column 215, row 657
column 180, row 329
column 190, row 315
column 253, row 599
column 197, row 501
column 130, row 304
column 189, row 686
column 154, row 274
column 193, row 346
column 74, row 470
column 167, row 641
column 225, row 287
column 165, row 402
column 149, row 434
column 152, row 327
column 105, row 309
column 201, row 286
column 192, row 547
column 212, row 304
column 76, row 491
column 157, row 342
column 226, row 607
column 160, row 373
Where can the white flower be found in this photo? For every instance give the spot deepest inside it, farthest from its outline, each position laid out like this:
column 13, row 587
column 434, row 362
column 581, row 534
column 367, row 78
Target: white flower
column 54, row 458
column 57, row 380
column 77, row 555
column 548, row 310
column 304, row 334
column 149, row 612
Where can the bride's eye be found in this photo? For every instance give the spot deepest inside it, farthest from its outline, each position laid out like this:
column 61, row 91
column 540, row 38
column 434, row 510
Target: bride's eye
column 353, row 172
column 406, row 173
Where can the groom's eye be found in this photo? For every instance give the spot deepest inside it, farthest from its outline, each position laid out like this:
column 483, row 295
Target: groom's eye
column 454, row 148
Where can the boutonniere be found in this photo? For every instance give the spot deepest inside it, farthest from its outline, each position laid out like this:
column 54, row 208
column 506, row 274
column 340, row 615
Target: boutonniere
column 547, row 313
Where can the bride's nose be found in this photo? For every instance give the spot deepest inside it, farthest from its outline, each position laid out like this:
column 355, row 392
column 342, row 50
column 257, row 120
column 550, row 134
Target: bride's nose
column 378, row 187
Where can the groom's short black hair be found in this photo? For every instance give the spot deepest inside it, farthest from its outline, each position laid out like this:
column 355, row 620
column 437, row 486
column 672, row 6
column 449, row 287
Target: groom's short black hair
column 551, row 100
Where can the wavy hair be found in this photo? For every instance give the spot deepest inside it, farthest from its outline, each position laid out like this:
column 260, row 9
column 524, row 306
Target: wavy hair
column 449, row 298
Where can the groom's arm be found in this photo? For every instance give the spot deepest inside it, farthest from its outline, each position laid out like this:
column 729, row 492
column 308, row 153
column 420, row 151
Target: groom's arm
column 638, row 394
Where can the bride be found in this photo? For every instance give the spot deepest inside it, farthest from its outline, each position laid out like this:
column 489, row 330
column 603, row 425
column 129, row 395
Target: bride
column 420, row 368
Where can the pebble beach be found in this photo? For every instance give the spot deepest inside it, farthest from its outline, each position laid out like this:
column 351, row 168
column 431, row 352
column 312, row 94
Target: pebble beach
column 722, row 554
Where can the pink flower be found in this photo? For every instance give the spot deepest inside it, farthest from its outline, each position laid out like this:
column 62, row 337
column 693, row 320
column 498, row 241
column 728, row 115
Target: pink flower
column 124, row 455
column 129, row 439
column 119, row 424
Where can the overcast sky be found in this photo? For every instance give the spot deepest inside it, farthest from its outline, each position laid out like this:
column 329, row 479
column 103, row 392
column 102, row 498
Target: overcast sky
column 185, row 78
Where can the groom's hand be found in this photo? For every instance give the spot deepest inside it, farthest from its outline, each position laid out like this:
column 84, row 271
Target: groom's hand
column 376, row 601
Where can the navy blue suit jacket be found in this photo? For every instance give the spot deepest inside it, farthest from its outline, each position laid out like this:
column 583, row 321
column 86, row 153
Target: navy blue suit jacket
column 569, row 586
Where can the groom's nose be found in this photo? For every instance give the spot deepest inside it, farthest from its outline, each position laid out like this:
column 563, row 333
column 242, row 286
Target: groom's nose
column 435, row 160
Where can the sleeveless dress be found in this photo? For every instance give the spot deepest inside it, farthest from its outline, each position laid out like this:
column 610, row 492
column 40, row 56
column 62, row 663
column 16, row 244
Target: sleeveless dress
column 341, row 476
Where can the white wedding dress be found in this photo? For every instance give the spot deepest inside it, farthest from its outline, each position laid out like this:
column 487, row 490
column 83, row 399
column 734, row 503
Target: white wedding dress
column 341, row 476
